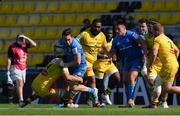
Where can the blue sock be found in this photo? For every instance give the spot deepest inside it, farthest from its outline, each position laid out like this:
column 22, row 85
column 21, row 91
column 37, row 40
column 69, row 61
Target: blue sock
column 90, row 90
column 131, row 88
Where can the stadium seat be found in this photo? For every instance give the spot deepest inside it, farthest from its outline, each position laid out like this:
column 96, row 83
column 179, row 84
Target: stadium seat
column 17, row 7
column 139, row 16
column 51, row 33
column 87, row 6
column 171, row 5
column 22, row 20
column 154, row 16
column 46, row 20
column 11, row 20
column 29, row 7
column 99, row 6
column 58, row 19
column 34, row 49
column 35, row 59
column 41, row 7
column 39, row 33
column 75, row 31
column 4, row 33
column 165, row 18
column 2, row 20
column 77, row 7
column 29, row 32
column 176, row 18
column 92, row 17
column 52, row 7
column 34, row 20
column 158, row 5
column 65, row 7
column 147, row 5
column 111, row 5
column 59, row 32
column 5, row 8
column 69, row 20
column 14, row 32
column 79, row 19
column 1, row 44
column 3, row 60
column 6, row 46
column 45, row 46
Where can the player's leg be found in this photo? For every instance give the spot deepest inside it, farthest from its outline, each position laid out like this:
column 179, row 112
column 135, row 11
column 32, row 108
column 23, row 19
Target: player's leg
column 99, row 84
column 168, row 75
column 91, row 81
column 156, row 92
column 136, row 66
column 113, row 82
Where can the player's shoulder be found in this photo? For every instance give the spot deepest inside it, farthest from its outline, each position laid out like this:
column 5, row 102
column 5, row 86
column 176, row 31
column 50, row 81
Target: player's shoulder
column 75, row 43
column 86, row 32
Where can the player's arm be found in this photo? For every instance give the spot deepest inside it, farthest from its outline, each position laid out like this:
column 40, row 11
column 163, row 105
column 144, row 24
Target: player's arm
column 77, row 58
column 154, row 53
column 113, row 50
column 31, row 42
column 102, row 56
column 141, row 40
column 9, row 61
column 176, row 50
column 70, row 77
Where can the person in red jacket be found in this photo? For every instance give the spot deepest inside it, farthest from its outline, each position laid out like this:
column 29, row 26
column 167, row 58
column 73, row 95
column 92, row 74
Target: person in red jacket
column 17, row 64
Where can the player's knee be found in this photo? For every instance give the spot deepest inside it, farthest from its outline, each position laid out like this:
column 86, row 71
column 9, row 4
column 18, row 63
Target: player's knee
column 157, row 89
column 168, row 88
column 150, row 82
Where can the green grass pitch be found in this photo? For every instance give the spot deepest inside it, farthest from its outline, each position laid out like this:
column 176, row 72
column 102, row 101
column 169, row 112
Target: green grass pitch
column 46, row 109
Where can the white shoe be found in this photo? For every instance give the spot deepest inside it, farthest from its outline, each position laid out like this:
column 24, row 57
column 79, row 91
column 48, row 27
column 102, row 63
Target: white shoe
column 107, row 99
column 165, row 105
column 72, row 105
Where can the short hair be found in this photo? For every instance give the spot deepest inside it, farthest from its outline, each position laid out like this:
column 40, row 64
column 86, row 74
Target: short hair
column 157, row 27
column 142, row 20
column 66, row 32
column 121, row 22
column 108, row 29
column 96, row 21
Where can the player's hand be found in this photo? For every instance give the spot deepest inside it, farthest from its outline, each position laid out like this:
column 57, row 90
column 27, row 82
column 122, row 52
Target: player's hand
column 144, row 70
column 61, row 63
column 80, row 80
column 23, row 36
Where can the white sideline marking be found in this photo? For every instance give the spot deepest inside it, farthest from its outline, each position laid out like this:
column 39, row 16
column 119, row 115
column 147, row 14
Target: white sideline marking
column 32, row 108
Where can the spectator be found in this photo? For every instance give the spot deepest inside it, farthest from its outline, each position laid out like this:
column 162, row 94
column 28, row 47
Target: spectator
column 17, row 64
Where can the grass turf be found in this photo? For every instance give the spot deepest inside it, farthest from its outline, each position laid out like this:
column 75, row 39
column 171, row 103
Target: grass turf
column 46, row 109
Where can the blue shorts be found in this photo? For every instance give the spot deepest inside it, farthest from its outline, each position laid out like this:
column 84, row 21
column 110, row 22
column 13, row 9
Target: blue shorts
column 78, row 71
column 136, row 64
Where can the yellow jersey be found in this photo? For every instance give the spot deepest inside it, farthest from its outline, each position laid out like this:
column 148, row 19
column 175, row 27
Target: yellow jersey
column 91, row 44
column 150, row 41
column 166, row 49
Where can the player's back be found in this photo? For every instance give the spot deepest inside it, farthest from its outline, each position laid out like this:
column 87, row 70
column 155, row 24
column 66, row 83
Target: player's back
column 166, row 51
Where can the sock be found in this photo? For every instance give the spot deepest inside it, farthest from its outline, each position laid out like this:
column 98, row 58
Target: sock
column 32, row 98
column 107, row 91
column 131, row 88
column 100, row 87
column 90, row 90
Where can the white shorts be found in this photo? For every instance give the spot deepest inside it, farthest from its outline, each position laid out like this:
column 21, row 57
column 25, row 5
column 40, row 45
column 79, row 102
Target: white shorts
column 16, row 74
